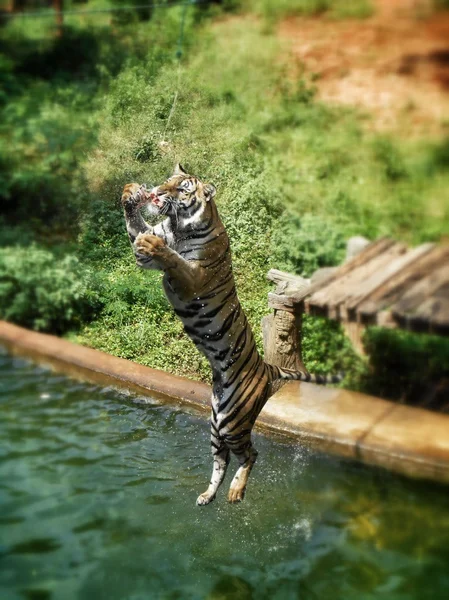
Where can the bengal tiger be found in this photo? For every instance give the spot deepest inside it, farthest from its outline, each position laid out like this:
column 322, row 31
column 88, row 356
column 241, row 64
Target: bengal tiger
column 192, row 247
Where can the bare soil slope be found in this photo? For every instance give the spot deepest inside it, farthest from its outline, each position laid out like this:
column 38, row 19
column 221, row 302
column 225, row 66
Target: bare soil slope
column 393, row 65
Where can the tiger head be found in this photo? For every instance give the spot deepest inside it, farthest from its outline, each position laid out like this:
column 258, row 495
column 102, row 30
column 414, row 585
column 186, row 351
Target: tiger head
column 182, row 196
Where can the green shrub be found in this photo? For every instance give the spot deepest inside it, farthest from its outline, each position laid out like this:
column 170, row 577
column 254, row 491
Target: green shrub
column 138, row 323
column 40, row 155
column 103, row 237
column 51, row 89
column 405, row 366
column 326, row 349
column 390, row 157
column 304, row 244
column 41, row 292
column 18, row 234
column 131, row 14
column 440, row 155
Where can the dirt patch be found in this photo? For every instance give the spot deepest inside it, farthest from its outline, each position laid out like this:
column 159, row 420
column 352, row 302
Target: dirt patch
column 394, row 65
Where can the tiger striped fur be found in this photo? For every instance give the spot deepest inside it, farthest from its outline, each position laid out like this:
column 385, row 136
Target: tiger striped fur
column 191, row 246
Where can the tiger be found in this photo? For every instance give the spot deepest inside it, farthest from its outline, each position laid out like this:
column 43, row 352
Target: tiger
column 192, row 248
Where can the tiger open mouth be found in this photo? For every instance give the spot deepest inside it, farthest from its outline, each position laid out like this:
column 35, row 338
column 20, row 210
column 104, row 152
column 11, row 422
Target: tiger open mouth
column 146, row 197
column 149, row 197
column 156, row 201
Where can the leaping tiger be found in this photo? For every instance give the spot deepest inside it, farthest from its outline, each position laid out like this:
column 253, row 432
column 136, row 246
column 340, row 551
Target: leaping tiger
column 192, row 247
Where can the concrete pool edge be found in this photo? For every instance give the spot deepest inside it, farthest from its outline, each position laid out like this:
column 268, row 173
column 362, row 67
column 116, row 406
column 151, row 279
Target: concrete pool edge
column 406, row 440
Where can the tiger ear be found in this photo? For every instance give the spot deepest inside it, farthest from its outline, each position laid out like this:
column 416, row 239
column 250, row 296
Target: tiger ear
column 179, row 170
column 209, row 191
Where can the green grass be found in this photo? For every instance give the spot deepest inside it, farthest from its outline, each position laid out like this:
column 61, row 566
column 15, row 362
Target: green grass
column 339, row 9
column 295, row 178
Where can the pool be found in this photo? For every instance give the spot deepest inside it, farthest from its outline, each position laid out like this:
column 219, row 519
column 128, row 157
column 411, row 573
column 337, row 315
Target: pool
column 97, row 500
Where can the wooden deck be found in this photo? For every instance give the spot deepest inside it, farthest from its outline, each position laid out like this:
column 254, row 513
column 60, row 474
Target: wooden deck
column 387, row 284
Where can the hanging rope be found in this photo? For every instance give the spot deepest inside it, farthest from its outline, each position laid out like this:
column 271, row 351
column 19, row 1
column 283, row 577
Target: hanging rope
column 179, row 50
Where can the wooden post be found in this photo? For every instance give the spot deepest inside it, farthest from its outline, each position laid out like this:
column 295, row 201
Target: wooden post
column 282, row 330
column 282, row 339
column 58, row 5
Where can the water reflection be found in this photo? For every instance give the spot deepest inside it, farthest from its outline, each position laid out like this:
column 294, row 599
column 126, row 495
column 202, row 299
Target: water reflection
column 98, row 497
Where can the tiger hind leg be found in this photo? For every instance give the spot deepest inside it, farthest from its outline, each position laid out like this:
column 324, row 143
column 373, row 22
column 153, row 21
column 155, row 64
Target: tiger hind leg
column 246, row 457
column 221, row 461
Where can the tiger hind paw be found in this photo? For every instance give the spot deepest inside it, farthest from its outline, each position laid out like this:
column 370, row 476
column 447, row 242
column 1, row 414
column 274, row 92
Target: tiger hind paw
column 204, row 499
column 236, row 495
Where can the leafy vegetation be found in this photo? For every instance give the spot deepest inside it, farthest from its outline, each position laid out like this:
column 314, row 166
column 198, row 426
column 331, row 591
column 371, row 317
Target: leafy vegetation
column 295, row 178
column 414, row 359
column 40, row 291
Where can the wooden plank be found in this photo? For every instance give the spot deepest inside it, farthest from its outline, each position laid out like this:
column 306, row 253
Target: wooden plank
column 319, row 297
column 341, row 290
column 390, row 293
column 421, row 291
column 322, row 274
column 365, row 256
column 360, row 278
column 380, row 278
column 385, row 319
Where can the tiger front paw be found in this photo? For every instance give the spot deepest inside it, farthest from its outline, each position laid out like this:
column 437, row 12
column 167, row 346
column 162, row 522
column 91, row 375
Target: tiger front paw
column 132, row 195
column 149, row 245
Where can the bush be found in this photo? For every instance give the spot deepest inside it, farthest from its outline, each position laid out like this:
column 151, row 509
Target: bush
column 326, row 349
column 407, row 366
column 441, row 155
column 390, row 157
column 42, row 147
column 103, row 237
column 138, row 323
column 304, row 244
column 43, row 293
column 51, row 89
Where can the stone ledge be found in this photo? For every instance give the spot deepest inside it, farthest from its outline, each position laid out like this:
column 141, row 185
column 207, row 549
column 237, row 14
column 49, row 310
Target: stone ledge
column 407, row 440
column 86, row 363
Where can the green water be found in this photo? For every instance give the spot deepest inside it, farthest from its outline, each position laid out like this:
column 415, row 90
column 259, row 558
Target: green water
column 97, row 500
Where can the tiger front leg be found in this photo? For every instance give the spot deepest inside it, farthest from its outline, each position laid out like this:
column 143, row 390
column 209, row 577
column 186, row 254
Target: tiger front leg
column 185, row 277
column 150, row 245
